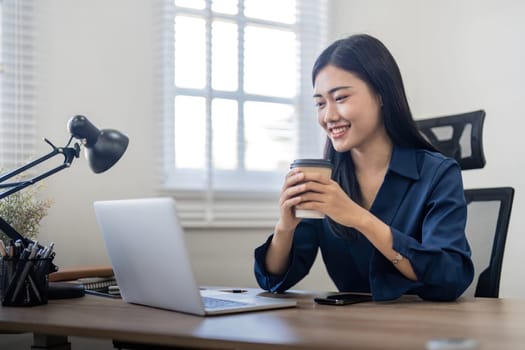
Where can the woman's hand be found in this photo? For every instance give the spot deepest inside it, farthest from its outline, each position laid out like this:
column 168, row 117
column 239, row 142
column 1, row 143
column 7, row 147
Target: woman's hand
column 287, row 201
column 278, row 253
column 325, row 195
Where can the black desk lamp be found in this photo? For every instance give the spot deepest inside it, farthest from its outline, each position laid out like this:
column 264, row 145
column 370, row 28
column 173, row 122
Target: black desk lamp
column 103, row 148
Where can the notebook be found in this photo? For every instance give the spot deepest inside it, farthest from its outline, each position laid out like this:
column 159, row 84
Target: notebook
column 147, row 250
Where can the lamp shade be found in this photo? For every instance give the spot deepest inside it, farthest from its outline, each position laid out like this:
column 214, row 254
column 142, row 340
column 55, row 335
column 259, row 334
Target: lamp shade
column 103, row 147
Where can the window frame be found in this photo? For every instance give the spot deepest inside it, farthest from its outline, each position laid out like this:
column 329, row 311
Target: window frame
column 212, row 202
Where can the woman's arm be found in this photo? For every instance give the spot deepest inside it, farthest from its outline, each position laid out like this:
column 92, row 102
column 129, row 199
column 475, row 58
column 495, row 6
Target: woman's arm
column 299, row 261
column 380, row 235
column 278, row 253
column 328, row 197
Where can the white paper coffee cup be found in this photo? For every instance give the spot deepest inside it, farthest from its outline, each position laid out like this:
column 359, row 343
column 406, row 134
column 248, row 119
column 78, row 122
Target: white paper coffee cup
column 321, row 166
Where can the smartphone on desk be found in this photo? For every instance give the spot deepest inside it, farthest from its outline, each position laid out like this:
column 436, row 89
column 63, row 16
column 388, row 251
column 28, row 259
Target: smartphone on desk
column 343, row 299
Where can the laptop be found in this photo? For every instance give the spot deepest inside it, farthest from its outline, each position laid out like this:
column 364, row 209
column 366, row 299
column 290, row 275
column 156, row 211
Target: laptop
column 147, row 250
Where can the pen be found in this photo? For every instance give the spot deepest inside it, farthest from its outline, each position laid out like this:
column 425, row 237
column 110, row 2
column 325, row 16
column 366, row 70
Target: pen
column 47, row 253
column 11, row 251
column 234, row 290
column 35, row 251
column 15, row 275
column 19, row 247
column 27, row 266
column 101, row 294
column 3, row 251
column 34, row 288
column 49, row 250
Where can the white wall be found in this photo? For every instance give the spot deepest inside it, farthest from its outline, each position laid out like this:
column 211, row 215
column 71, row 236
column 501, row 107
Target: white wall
column 459, row 56
column 97, row 60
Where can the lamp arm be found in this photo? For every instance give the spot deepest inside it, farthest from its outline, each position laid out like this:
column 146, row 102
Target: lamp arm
column 69, row 154
column 12, row 233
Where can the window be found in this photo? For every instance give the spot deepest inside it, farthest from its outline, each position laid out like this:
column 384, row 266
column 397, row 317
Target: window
column 236, row 104
column 16, row 83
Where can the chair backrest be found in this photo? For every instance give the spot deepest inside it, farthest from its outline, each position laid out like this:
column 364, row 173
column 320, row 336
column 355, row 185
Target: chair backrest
column 488, row 214
column 458, row 136
column 487, row 225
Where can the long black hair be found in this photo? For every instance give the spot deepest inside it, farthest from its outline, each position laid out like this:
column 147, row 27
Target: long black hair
column 367, row 58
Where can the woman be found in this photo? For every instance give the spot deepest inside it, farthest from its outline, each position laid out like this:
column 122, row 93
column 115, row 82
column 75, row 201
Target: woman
column 395, row 209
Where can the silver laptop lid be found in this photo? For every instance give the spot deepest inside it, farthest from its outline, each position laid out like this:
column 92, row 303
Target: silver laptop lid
column 147, row 249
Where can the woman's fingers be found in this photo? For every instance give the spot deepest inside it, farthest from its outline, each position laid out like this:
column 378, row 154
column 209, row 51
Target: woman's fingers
column 316, row 177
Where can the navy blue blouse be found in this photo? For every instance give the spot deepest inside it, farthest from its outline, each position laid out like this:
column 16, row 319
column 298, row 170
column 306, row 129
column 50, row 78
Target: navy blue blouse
column 422, row 201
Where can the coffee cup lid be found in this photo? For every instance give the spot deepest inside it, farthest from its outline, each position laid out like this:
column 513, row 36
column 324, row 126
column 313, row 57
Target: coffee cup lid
column 324, row 163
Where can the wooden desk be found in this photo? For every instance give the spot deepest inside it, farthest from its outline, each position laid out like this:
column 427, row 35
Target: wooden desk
column 405, row 324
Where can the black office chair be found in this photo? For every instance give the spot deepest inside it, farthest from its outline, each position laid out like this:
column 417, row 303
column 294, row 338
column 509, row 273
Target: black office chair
column 487, row 224
column 460, row 136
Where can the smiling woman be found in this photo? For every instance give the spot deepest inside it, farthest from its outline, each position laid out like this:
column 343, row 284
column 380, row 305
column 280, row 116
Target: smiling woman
column 394, row 209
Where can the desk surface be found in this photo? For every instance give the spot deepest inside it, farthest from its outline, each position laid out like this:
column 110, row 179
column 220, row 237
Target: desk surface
column 406, row 324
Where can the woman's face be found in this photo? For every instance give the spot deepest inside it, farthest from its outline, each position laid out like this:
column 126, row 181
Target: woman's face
column 347, row 109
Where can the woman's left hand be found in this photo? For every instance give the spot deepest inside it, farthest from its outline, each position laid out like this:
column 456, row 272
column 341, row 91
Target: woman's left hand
column 326, row 196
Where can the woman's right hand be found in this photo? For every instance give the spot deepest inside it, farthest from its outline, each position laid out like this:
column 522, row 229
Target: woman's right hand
column 278, row 253
column 288, row 200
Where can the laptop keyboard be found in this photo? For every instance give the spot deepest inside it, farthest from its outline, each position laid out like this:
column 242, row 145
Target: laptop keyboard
column 214, row 303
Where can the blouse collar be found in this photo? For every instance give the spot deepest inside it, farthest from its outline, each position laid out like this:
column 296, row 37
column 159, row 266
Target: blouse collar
column 404, row 163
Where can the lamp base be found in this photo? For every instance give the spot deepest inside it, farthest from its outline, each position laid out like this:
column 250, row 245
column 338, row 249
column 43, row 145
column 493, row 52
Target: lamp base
column 65, row 290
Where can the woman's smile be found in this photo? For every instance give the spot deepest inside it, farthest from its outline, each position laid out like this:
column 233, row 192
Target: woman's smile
column 339, row 131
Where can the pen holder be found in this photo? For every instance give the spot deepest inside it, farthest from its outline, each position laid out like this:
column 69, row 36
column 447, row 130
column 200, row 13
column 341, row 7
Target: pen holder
column 23, row 282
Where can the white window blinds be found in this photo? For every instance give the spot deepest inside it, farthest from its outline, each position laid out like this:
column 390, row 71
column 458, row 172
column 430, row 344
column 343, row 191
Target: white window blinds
column 17, row 83
column 236, row 104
